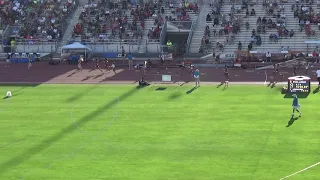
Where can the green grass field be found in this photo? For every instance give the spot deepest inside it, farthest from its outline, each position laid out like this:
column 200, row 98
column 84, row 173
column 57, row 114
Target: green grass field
column 89, row 132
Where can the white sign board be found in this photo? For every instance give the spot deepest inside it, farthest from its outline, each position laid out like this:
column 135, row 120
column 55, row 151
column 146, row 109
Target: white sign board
column 166, row 78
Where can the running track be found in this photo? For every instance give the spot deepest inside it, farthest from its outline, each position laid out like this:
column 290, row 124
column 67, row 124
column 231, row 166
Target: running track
column 63, row 73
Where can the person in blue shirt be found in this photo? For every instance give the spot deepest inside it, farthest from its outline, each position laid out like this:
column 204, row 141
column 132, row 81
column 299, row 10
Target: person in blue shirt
column 295, row 105
column 196, row 76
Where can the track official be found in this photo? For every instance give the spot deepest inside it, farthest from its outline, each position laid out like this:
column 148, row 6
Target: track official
column 196, row 76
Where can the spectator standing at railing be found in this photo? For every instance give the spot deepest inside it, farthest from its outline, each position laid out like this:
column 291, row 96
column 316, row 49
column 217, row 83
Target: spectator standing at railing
column 7, row 61
column 268, row 57
column 123, row 52
column 13, row 44
column 130, row 60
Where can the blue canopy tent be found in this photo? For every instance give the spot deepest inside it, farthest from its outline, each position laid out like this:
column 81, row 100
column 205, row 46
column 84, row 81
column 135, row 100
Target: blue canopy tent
column 75, row 48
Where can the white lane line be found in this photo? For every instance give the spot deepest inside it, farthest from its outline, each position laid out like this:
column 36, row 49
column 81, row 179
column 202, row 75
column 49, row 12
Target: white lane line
column 301, row 170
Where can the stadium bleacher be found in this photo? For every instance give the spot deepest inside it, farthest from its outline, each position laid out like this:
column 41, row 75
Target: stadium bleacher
column 229, row 26
column 37, row 20
column 260, row 24
column 102, row 22
column 129, row 24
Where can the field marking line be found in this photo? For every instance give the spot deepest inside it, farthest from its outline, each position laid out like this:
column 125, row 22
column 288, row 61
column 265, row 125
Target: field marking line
column 94, row 138
column 265, row 82
column 301, row 170
column 13, row 142
column 74, row 122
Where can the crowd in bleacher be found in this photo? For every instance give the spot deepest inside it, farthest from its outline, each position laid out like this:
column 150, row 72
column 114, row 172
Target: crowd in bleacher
column 101, row 21
column 178, row 11
column 228, row 24
column 37, row 20
column 224, row 25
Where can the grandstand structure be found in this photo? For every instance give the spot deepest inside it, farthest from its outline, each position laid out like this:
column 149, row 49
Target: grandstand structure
column 230, row 28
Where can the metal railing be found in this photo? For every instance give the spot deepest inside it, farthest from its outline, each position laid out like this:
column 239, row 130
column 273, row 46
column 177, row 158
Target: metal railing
column 191, row 35
column 111, row 41
column 181, row 25
column 36, row 47
column 163, row 33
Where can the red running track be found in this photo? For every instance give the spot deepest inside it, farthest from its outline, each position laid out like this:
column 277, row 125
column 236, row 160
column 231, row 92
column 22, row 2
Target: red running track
column 63, row 73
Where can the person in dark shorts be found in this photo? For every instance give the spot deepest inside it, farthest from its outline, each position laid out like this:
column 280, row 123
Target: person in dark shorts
column 123, row 53
column 80, row 60
column 7, row 61
column 29, row 64
column 307, row 68
column 142, row 82
column 227, row 75
column 162, row 60
column 275, row 73
column 275, row 70
column 149, row 64
column 183, row 64
column 295, row 70
column 106, row 61
column 97, row 66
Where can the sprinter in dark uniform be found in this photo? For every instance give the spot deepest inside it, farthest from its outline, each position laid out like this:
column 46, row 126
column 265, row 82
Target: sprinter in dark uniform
column 106, row 62
column 295, row 70
column 29, row 64
column 97, row 66
column 227, row 75
column 275, row 70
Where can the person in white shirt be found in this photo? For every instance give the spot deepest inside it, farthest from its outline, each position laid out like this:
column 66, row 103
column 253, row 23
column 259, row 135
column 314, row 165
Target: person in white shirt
column 9, row 94
column 113, row 67
column 318, row 77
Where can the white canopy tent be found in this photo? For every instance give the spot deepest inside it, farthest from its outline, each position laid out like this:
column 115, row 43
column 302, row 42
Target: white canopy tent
column 75, row 47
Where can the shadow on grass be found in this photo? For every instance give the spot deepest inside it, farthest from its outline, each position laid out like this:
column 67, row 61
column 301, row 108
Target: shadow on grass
column 161, row 88
column 192, row 89
column 315, row 91
column 291, row 121
column 141, row 87
column 6, row 97
column 222, row 83
column 225, row 88
column 175, row 95
column 44, row 144
column 81, row 93
column 300, row 95
column 272, row 84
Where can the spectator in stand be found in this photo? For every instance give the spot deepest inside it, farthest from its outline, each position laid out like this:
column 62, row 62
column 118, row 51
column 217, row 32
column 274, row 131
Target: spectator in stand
column 250, row 46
